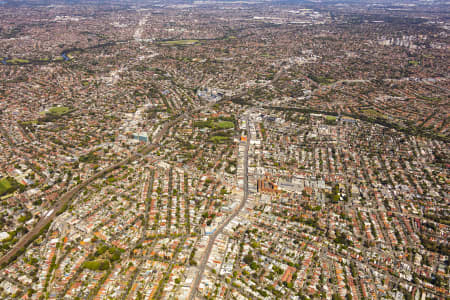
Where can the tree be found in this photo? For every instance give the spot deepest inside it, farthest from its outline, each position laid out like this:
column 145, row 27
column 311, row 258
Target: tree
column 248, row 259
column 336, row 297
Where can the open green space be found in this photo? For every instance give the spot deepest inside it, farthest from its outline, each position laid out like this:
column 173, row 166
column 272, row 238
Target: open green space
column 97, row 265
column 179, row 42
column 429, row 98
column 218, row 139
column 214, row 124
column 39, row 60
column 330, row 120
column 57, row 111
column 8, row 185
column 16, row 61
column 225, row 124
column 5, row 185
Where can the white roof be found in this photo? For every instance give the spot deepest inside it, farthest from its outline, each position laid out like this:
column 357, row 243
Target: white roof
column 4, row 236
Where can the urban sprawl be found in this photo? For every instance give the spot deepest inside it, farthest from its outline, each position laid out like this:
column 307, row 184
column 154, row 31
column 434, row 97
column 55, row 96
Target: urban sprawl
column 224, row 150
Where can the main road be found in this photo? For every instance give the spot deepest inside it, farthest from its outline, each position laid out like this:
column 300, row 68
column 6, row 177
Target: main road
column 66, row 197
column 219, row 230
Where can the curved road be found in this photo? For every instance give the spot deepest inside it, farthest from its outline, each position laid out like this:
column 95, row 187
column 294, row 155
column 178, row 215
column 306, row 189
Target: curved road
column 66, row 197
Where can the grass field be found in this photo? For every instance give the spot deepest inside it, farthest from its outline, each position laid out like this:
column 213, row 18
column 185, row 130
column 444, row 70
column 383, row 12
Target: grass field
column 225, row 124
column 330, row 120
column 220, row 124
column 32, row 122
column 16, row 61
column 6, row 186
column 57, row 111
column 99, row 264
column 218, row 139
column 180, row 42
